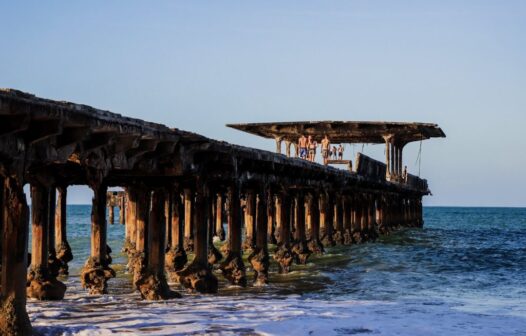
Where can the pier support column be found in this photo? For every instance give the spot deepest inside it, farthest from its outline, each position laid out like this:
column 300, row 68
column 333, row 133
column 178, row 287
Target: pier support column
column 271, row 218
column 219, row 231
column 326, row 226
column 96, row 271
column 357, row 215
column 250, row 220
column 63, row 250
column 233, row 267
column 283, row 254
column 176, row 258
column 337, row 219
column 364, row 223
column 287, row 147
column 214, row 255
column 380, row 219
column 53, row 263
column 372, row 224
column 41, row 284
column 130, row 241
column 346, row 217
column 151, row 282
column 188, row 219
column 299, row 247
column 111, row 210
column 198, row 276
column 259, row 258
column 314, row 243
column 122, row 210
column 277, row 218
column 14, row 239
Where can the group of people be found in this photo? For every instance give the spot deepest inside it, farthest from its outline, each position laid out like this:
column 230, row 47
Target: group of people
column 307, row 149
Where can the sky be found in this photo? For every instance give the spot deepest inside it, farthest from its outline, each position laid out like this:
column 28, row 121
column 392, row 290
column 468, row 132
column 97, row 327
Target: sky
column 198, row 65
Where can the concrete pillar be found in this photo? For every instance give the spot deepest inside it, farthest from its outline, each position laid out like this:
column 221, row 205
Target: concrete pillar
column 63, row 250
column 346, row 217
column 299, row 248
column 53, row 262
column 111, row 209
column 338, row 220
column 259, row 258
column 41, row 284
column 14, row 239
column 271, row 218
column 122, row 211
column 278, row 145
column 233, row 267
column 188, row 219
column 219, row 230
column 283, row 254
column 176, row 258
column 287, row 147
column 96, row 271
column 314, row 244
column 151, row 282
column 197, row 276
column 250, row 219
column 326, row 225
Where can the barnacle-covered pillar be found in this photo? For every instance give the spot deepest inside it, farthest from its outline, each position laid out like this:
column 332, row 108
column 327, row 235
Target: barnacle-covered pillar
column 259, row 258
column 219, row 230
column 130, row 228
column 347, row 224
column 151, row 281
column 176, row 257
column 314, row 243
column 271, row 218
column 337, row 220
column 250, row 219
column 96, row 271
column 188, row 220
column 214, row 255
column 53, row 263
column 41, row 284
column 198, row 276
column 326, row 226
column 62, row 248
column 283, row 254
column 233, row 267
column 299, row 247
column 14, row 223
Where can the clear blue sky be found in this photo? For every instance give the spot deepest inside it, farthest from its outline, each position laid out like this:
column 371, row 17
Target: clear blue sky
column 199, row 65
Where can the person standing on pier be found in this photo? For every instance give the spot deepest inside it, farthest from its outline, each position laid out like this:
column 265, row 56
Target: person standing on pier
column 340, row 152
column 325, row 148
column 312, row 144
column 302, row 144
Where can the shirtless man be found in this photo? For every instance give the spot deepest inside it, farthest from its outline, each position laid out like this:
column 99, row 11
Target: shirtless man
column 340, row 152
column 302, row 144
column 325, row 148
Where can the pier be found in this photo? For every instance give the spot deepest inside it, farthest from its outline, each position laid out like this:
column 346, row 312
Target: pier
column 179, row 190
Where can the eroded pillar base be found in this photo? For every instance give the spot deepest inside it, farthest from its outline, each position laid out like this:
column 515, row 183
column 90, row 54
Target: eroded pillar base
column 175, row 259
column 234, row 270
column 338, row 237
column 248, row 244
column 14, row 320
column 214, row 256
column 198, row 277
column 154, row 287
column 64, row 255
column 43, row 286
column 221, row 234
column 347, row 238
column 300, row 252
column 272, row 239
column 189, row 244
column 315, row 246
column 259, row 260
column 357, row 237
column 284, row 257
column 94, row 277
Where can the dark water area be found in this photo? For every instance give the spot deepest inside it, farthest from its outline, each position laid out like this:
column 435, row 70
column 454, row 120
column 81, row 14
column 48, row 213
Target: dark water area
column 464, row 273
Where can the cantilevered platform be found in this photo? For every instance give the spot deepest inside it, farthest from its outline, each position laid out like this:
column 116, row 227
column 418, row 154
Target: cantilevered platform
column 373, row 132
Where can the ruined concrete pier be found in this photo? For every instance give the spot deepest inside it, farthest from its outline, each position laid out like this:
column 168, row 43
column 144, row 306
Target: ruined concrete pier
column 179, row 189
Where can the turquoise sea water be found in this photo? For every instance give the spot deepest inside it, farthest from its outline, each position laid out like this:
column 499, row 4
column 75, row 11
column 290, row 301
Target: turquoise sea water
column 464, row 273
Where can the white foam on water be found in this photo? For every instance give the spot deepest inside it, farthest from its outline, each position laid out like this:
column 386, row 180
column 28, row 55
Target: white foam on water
column 253, row 315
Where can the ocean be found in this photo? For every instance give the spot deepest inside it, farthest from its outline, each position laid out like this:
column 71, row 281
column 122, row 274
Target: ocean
column 464, row 273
